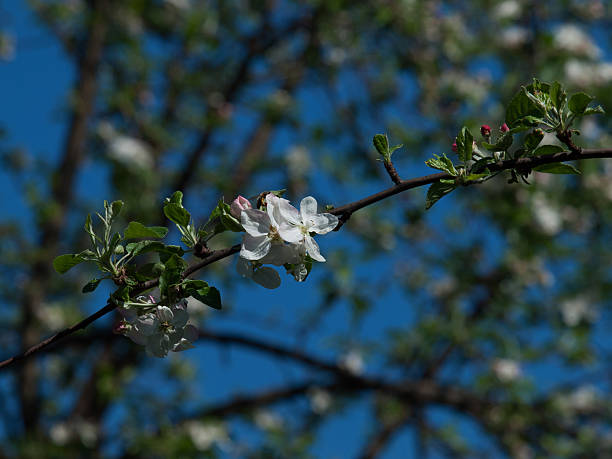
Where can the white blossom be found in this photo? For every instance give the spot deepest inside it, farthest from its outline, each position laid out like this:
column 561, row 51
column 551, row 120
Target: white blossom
column 204, row 436
column 575, row 310
column 129, row 151
column 320, row 400
column 572, row 39
column 506, row 370
column 353, row 362
column 297, row 226
column 159, row 328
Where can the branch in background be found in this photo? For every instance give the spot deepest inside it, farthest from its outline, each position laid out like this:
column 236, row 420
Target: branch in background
column 343, row 212
column 61, row 192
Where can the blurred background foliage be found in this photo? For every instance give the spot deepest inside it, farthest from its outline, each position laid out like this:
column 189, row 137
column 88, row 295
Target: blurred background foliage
column 479, row 329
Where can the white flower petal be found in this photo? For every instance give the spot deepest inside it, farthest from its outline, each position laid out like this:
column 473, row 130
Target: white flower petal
column 180, row 318
column 182, row 345
column 308, row 208
column 290, row 233
column 255, row 222
column 285, row 211
column 322, row 223
column 313, row 249
column 147, row 324
column 136, row 336
column 164, row 314
column 158, row 345
column 267, row 277
column 254, row 248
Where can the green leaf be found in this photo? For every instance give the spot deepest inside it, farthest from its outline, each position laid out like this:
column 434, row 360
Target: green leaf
column 136, row 230
column 210, row 296
column 176, row 198
column 481, row 165
column 381, row 143
column 557, row 95
column 502, row 144
column 436, row 191
column 230, row 223
column 174, row 267
column 136, row 248
column 177, row 214
column 579, row 102
column 442, row 163
column 465, row 144
column 557, row 168
column 191, row 286
column 533, row 139
column 91, row 285
column 548, row 150
column 115, row 208
column 520, row 107
column 63, row 263
column 594, row 111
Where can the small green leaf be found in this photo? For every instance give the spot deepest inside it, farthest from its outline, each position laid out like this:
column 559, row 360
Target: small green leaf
column 558, row 168
column 136, row 230
column 533, row 139
column 381, row 143
column 176, row 198
column 547, row 150
column 442, row 163
column 436, row 191
column 579, row 102
column 91, row 285
column 136, row 248
column 594, row 111
column 522, row 109
column 177, row 214
column 115, row 208
column 465, row 144
column 230, row 223
column 210, row 296
column 63, row 263
column 557, row 95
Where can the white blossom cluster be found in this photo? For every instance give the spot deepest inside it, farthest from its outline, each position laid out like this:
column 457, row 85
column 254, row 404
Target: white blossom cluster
column 280, row 235
column 159, row 328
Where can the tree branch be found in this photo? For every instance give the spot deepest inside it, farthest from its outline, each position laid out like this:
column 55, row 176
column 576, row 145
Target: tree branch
column 343, row 211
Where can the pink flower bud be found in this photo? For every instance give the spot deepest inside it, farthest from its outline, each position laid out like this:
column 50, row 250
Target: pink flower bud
column 504, row 128
column 485, row 130
column 238, row 205
column 455, row 147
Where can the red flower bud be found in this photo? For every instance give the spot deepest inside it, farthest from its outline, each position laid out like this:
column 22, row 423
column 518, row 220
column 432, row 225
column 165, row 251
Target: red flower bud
column 504, row 128
column 455, row 147
column 485, row 130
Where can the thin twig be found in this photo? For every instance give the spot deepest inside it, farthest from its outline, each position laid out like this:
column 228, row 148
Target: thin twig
column 342, row 211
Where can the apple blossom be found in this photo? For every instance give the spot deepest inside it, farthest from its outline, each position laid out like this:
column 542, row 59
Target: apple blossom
column 297, row 226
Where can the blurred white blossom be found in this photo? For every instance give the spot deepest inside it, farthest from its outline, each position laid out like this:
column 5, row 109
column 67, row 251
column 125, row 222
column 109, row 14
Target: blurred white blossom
column 204, row 436
column 129, row 151
column 353, row 362
column 268, row 420
column 546, row 215
column 506, row 370
column 513, row 37
column 583, row 73
column 572, row 39
column 320, row 400
column 508, row 9
column 576, row 310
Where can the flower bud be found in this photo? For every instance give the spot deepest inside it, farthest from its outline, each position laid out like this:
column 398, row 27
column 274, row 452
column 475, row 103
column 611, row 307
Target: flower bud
column 455, row 147
column 485, row 130
column 238, row 205
column 504, row 128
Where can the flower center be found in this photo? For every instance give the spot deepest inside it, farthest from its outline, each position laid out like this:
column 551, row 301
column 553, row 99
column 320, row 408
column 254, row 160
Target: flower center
column 273, row 234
